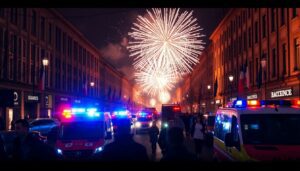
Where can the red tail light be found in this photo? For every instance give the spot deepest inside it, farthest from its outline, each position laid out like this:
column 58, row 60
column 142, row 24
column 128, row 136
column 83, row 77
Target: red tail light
column 176, row 108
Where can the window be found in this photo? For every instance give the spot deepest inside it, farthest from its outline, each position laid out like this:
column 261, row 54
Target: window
column 50, row 33
column 249, row 12
column 64, row 43
column 284, row 58
column 43, row 28
column 235, row 132
column 245, row 40
column 70, row 46
column 249, row 37
column 43, row 54
column 273, row 13
column 282, row 16
column 257, row 67
column 84, row 57
column 24, row 51
column 33, row 54
column 250, row 71
column 294, row 10
column 256, row 32
column 33, row 23
column 297, row 54
column 264, row 26
column 2, row 11
column 270, row 129
column 222, row 126
column 273, row 62
column 24, row 20
column 58, row 39
column 13, row 15
column 75, row 53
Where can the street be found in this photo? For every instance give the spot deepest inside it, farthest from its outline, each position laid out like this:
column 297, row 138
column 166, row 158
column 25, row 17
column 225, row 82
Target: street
column 143, row 138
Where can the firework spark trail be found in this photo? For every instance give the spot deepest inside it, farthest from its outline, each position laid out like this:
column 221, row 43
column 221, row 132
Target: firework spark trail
column 165, row 45
column 154, row 80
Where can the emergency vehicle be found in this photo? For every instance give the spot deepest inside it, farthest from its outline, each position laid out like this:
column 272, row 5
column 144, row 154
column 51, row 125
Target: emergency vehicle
column 83, row 132
column 144, row 120
column 258, row 131
column 117, row 115
column 168, row 113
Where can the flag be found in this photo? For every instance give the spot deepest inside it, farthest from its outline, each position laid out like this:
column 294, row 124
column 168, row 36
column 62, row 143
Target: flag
column 215, row 87
column 241, row 82
column 42, row 79
column 259, row 77
column 247, row 75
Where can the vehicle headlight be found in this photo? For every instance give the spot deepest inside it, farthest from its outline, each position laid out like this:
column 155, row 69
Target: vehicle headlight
column 166, row 125
column 59, row 151
column 98, row 150
column 138, row 124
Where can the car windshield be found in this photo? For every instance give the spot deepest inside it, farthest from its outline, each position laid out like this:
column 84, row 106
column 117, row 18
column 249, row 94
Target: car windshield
column 81, row 130
column 144, row 119
column 271, row 129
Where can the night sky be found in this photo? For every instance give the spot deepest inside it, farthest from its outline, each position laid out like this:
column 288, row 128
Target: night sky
column 107, row 29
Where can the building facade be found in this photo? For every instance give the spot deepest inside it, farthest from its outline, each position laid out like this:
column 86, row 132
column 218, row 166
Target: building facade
column 76, row 73
column 197, row 89
column 261, row 45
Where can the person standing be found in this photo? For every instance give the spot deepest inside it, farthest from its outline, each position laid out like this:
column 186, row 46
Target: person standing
column 198, row 135
column 153, row 134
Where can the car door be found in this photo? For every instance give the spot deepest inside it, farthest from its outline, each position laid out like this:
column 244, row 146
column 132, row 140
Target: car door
column 35, row 125
column 46, row 126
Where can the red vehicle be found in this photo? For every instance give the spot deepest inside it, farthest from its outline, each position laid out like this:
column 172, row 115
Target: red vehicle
column 82, row 133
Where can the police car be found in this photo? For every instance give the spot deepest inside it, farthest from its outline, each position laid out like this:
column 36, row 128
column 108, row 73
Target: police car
column 258, row 131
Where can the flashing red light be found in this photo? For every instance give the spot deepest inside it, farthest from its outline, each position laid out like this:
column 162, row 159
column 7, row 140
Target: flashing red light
column 67, row 113
column 253, row 103
column 176, row 108
column 296, row 103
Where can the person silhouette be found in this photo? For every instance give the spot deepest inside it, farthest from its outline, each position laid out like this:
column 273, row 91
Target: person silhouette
column 124, row 148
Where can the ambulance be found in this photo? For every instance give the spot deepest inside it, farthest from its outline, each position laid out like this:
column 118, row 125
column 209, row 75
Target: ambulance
column 83, row 132
column 258, row 131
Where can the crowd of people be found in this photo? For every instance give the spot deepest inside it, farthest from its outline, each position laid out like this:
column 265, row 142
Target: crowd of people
column 27, row 146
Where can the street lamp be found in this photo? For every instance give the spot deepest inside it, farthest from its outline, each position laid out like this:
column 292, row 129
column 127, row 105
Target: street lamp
column 92, row 84
column 263, row 62
column 208, row 87
column 45, row 63
column 230, row 80
column 208, row 99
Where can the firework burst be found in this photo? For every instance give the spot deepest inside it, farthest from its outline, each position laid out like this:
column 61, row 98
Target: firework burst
column 165, row 45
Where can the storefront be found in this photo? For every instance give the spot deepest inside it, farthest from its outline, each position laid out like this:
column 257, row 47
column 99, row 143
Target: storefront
column 31, row 105
column 253, row 96
column 47, row 106
column 6, row 108
column 287, row 93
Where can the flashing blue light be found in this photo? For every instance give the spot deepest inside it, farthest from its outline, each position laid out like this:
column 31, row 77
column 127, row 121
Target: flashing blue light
column 240, row 104
column 59, row 151
column 78, row 110
column 122, row 113
column 98, row 150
